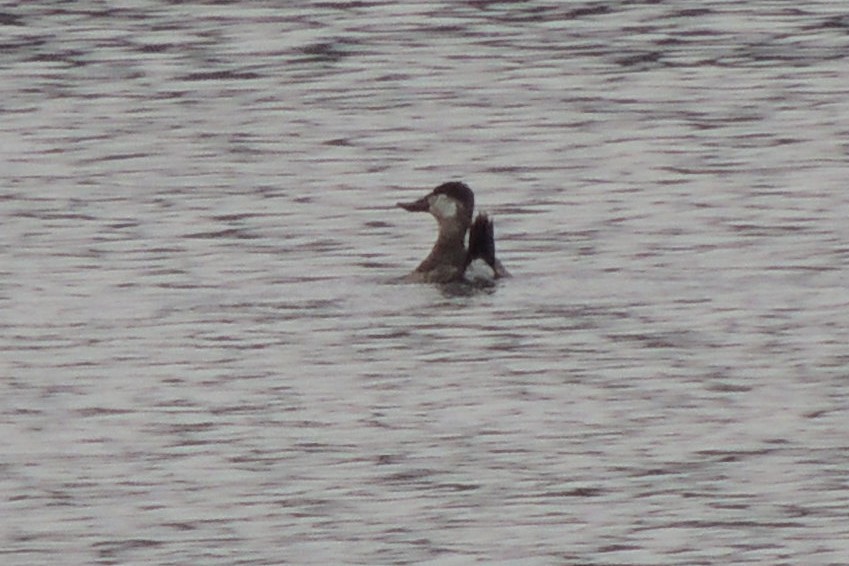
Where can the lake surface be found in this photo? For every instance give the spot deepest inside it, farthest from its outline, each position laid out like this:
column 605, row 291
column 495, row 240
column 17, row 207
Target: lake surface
column 206, row 357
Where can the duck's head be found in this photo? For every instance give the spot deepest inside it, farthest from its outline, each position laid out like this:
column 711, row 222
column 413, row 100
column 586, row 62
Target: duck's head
column 450, row 203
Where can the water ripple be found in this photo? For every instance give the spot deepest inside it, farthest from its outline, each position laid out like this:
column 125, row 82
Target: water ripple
column 208, row 358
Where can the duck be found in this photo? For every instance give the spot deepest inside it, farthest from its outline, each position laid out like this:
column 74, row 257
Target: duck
column 452, row 205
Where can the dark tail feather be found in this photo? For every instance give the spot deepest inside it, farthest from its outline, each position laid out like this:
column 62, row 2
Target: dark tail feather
column 482, row 241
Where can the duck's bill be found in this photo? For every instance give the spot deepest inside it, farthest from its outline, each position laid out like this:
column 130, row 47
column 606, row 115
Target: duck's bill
column 420, row 205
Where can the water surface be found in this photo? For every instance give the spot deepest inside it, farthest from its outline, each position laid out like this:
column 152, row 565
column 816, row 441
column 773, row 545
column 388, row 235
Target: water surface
column 206, row 358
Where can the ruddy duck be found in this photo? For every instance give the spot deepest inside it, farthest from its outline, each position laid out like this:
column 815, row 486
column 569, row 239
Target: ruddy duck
column 452, row 205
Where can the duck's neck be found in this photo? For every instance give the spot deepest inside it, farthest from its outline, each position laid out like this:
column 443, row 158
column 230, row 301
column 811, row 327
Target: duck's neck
column 449, row 251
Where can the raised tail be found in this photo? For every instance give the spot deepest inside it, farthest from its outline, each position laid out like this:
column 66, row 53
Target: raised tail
column 481, row 241
column 482, row 246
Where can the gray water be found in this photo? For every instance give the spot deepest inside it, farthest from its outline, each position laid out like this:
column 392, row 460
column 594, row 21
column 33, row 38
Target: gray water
column 206, row 357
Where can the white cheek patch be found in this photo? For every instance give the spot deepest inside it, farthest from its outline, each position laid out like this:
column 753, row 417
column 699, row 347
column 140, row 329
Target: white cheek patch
column 443, row 207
